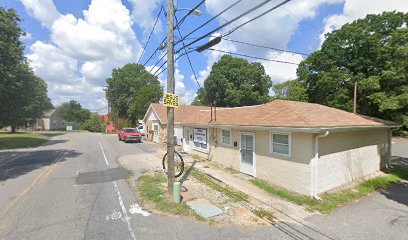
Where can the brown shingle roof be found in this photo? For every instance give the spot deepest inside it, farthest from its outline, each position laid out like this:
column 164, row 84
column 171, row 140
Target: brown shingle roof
column 278, row 113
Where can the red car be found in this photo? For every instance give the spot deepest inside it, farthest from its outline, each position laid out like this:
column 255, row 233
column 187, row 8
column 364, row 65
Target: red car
column 130, row 135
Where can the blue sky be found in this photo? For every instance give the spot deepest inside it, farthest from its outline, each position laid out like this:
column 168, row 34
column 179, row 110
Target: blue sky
column 74, row 45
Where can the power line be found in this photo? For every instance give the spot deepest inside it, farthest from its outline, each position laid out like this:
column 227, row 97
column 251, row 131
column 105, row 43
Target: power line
column 244, row 55
column 188, row 57
column 266, row 47
column 208, row 21
column 225, row 24
column 177, row 25
column 260, row 15
column 151, row 33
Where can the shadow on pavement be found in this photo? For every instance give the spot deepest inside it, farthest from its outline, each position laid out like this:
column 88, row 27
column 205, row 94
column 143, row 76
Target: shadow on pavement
column 397, row 192
column 50, row 134
column 27, row 162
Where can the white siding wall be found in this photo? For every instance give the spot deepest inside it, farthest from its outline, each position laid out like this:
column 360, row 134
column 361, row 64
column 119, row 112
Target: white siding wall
column 345, row 157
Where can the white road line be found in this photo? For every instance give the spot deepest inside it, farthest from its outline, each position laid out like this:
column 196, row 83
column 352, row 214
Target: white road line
column 104, row 156
column 122, row 205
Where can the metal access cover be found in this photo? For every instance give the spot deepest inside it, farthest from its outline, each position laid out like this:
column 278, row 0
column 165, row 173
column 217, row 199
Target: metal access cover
column 204, row 208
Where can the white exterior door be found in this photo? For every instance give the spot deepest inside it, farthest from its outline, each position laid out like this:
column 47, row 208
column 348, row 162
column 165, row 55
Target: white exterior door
column 156, row 132
column 186, row 142
column 247, row 153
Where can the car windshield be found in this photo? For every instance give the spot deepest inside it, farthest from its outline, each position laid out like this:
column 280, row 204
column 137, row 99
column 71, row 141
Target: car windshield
column 130, row 130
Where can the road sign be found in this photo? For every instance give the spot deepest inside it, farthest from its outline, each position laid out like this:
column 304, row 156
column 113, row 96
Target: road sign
column 170, row 100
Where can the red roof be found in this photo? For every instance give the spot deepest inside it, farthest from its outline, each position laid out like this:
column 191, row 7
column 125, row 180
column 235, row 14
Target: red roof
column 277, row 113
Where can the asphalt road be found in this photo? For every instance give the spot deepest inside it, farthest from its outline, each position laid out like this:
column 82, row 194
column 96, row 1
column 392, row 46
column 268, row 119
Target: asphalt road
column 73, row 188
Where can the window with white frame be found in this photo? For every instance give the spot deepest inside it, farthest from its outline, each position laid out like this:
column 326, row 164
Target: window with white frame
column 226, row 136
column 280, row 143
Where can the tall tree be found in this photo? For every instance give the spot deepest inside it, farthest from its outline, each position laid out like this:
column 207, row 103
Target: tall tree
column 373, row 52
column 290, row 90
column 131, row 89
column 235, row 82
column 72, row 111
column 23, row 96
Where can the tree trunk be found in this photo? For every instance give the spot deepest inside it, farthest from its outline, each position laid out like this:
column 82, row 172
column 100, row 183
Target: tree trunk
column 13, row 129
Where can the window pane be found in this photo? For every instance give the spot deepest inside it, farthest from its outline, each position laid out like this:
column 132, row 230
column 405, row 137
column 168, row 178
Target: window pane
column 281, row 138
column 226, row 140
column 282, row 149
column 226, row 133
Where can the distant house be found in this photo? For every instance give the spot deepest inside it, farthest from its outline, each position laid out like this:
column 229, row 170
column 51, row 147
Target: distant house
column 304, row 147
column 52, row 120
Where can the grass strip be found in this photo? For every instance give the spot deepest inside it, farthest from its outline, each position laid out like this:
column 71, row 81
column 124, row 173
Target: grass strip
column 332, row 201
column 150, row 190
column 236, row 195
column 21, row 140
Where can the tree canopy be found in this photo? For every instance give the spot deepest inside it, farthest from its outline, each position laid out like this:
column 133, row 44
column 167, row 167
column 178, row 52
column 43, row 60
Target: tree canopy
column 131, row 89
column 290, row 90
column 235, row 82
column 23, row 96
column 72, row 111
column 373, row 52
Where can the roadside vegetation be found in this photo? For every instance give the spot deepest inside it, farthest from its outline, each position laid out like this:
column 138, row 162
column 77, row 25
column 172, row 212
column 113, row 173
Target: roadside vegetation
column 21, row 140
column 332, row 201
column 152, row 191
column 233, row 194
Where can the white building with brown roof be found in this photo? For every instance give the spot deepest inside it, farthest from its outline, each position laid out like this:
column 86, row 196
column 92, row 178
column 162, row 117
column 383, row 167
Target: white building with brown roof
column 304, row 147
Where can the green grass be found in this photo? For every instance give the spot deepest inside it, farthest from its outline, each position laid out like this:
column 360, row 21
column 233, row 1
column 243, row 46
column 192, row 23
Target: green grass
column 235, row 195
column 262, row 213
column 332, row 201
column 21, row 140
column 197, row 157
column 150, row 190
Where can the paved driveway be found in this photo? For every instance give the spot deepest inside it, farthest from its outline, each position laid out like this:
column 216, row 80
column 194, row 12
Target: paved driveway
column 382, row 215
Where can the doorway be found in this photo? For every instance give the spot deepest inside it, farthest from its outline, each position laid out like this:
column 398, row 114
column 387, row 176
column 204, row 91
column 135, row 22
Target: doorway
column 247, row 153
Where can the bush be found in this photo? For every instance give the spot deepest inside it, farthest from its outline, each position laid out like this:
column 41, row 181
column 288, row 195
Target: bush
column 95, row 124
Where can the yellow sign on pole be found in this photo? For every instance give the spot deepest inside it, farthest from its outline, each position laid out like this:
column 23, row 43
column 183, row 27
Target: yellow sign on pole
column 170, row 100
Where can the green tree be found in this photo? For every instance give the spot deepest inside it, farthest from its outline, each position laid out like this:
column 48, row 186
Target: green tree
column 131, row 89
column 72, row 111
column 373, row 52
column 23, row 96
column 235, row 82
column 290, row 90
column 95, row 124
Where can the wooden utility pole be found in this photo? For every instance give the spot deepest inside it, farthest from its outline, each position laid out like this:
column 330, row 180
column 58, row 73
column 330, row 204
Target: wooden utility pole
column 355, row 97
column 170, row 89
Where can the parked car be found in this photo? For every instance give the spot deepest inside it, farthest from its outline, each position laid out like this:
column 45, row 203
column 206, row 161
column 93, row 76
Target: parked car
column 129, row 135
column 141, row 130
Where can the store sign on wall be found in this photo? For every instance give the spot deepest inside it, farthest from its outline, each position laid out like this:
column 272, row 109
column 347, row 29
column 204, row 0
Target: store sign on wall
column 200, row 135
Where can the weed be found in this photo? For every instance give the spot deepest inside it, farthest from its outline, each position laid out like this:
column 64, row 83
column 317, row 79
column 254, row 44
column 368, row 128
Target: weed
column 262, row 213
column 236, row 195
column 150, row 190
column 331, row 201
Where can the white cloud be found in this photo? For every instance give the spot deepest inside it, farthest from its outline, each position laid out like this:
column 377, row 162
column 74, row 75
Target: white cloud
column 275, row 29
column 82, row 51
column 143, row 14
column 51, row 64
column 43, row 10
column 281, row 72
column 355, row 9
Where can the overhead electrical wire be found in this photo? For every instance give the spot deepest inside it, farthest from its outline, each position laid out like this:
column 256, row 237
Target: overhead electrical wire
column 177, row 25
column 188, row 57
column 245, row 55
column 151, row 33
column 260, row 15
column 208, row 21
column 233, row 20
column 266, row 47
